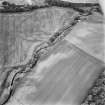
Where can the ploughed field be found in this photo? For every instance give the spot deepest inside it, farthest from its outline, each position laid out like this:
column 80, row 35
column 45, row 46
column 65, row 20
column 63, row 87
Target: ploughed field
column 69, row 69
column 63, row 78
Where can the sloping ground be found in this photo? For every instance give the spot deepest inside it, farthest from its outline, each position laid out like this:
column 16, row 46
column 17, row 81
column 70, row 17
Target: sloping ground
column 63, row 77
column 18, row 32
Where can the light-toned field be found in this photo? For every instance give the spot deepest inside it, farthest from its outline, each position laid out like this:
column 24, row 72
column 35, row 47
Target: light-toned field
column 90, row 38
column 63, row 78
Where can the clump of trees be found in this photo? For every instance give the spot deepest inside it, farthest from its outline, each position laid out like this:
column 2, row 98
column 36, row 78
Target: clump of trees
column 11, row 7
column 96, row 95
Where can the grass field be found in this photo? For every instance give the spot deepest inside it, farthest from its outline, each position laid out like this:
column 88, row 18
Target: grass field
column 64, row 77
